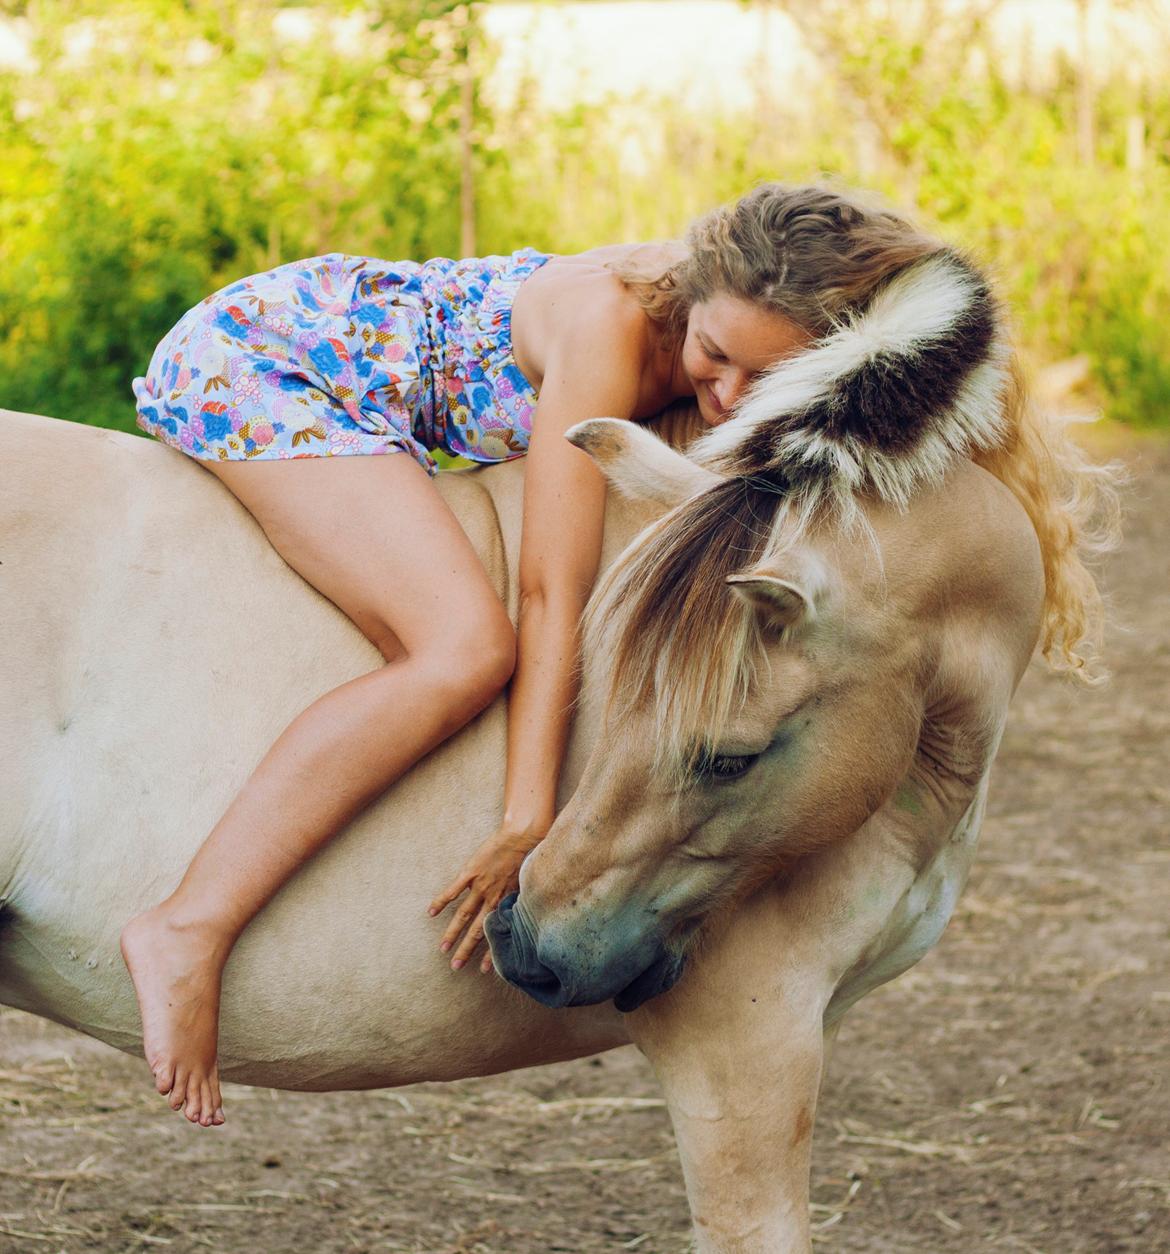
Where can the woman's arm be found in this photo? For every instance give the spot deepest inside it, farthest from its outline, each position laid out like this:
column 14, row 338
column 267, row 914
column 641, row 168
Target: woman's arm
column 592, row 370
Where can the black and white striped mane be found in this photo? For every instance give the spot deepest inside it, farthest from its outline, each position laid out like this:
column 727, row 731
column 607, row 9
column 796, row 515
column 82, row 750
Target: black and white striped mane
column 883, row 403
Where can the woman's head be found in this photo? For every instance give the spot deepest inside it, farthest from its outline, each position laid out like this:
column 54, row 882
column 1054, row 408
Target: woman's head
column 766, row 276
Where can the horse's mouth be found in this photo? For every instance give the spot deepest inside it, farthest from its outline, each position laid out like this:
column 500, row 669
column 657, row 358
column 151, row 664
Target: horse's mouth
column 515, row 954
column 657, row 978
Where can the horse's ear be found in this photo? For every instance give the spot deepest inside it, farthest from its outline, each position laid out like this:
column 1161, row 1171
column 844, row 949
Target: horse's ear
column 779, row 602
column 638, row 463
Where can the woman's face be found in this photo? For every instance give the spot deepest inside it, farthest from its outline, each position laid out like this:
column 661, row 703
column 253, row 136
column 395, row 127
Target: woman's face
column 729, row 341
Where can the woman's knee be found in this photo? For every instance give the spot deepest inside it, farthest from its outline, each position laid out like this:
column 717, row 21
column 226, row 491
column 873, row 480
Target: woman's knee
column 491, row 651
column 474, row 661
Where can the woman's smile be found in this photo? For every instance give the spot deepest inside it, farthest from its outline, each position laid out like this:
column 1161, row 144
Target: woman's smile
column 729, row 340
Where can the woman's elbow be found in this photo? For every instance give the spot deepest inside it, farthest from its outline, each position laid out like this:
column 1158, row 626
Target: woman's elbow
column 560, row 596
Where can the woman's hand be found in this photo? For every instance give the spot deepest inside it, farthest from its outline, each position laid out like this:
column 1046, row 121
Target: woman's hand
column 488, row 876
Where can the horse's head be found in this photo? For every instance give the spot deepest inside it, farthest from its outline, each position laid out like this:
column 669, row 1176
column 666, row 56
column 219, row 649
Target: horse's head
column 765, row 648
column 757, row 694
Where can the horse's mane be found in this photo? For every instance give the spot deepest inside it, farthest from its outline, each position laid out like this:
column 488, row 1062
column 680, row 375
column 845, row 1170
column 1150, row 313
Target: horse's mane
column 886, row 405
column 675, row 635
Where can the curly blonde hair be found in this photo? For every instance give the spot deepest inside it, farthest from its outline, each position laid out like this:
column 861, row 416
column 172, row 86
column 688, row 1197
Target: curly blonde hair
column 813, row 253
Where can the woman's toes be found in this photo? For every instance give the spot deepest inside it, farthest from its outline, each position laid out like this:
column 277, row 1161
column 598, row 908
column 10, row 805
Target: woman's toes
column 178, row 1090
column 164, row 1077
column 206, row 1105
column 218, row 1117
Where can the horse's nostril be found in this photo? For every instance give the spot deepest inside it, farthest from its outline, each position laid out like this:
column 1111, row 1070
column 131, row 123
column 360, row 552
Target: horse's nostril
column 546, row 982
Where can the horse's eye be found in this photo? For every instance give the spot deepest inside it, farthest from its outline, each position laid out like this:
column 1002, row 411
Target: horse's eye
column 723, row 766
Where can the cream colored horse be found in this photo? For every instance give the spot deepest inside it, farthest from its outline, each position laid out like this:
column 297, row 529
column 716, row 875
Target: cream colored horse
column 155, row 644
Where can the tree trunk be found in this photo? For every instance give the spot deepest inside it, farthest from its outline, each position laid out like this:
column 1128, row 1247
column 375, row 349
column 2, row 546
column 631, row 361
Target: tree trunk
column 467, row 242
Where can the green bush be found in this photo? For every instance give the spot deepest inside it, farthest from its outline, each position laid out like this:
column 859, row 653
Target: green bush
column 134, row 185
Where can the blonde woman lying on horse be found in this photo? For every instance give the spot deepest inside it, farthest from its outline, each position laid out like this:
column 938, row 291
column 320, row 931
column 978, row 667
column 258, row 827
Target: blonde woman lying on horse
column 324, row 359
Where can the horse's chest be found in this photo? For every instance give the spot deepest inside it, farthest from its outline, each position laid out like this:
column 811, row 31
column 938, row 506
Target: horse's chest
column 918, row 919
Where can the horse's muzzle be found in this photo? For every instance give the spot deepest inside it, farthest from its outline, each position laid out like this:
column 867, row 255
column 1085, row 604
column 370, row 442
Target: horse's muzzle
column 580, row 974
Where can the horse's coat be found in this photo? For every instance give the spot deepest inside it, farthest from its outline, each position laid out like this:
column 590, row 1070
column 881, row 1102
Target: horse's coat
column 141, row 681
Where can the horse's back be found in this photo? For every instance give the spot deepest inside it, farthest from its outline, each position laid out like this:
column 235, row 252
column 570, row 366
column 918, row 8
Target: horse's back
column 136, row 586
column 155, row 646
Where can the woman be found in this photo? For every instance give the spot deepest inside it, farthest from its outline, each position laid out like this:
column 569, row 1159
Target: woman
column 297, row 368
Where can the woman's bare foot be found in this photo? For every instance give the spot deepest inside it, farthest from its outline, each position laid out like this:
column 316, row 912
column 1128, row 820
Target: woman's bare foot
column 176, row 971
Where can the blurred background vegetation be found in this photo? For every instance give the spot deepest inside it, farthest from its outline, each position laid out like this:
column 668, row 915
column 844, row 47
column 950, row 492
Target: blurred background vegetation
column 155, row 150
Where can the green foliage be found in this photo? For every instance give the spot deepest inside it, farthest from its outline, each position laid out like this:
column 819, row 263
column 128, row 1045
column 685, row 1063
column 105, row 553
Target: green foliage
column 192, row 150
column 193, row 146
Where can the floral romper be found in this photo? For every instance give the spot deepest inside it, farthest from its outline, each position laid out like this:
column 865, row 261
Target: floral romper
column 346, row 354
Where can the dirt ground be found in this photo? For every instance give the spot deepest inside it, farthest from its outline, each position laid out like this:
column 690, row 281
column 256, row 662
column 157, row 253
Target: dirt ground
column 1012, row 1092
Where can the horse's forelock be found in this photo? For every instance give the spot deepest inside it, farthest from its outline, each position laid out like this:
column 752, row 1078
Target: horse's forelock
column 668, row 632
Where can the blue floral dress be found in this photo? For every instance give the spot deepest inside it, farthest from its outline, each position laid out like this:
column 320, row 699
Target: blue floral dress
column 343, row 354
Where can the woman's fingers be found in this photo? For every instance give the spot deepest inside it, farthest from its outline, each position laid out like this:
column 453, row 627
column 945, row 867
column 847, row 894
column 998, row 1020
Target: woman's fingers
column 487, row 964
column 448, row 895
column 485, row 878
column 462, row 917
column 469, row 943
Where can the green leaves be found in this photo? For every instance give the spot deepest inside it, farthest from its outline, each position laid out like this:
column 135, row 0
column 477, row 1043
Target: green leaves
column 164, row 148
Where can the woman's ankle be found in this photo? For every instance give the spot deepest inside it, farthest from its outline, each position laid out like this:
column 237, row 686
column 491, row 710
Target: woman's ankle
column 192, row 923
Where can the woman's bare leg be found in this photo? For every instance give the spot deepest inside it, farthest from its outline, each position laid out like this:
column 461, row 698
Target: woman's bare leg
column 374, row 536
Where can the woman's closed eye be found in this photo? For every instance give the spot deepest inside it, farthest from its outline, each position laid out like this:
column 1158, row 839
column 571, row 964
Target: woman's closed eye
column 712, row 351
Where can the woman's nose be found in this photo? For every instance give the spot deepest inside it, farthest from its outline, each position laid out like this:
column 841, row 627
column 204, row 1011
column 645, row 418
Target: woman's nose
column 729, row 389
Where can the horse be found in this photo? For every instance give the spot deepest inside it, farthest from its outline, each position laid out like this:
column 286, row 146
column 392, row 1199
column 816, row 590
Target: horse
column 156, row 644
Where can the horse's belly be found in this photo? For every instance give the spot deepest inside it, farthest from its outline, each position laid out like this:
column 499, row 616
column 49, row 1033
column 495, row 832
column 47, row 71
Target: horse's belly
column 339, row 982
column 325, row 1026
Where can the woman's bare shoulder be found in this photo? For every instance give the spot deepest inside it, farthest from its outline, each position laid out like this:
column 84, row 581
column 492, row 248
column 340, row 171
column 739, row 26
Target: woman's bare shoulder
column 589, row 279
column 567, row 293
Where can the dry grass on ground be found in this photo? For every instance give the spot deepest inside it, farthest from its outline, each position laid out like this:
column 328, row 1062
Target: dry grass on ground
column 1010, row 1093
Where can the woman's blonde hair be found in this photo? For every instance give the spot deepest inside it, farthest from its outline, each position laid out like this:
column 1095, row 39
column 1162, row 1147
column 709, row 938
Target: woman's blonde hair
column 814, row 254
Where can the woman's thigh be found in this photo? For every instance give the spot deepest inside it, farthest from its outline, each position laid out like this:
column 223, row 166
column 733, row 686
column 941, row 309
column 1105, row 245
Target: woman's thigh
column 374, row 536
